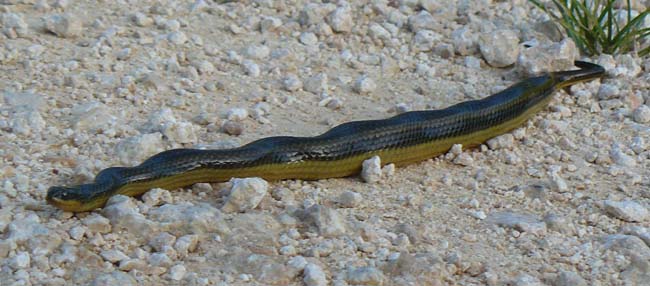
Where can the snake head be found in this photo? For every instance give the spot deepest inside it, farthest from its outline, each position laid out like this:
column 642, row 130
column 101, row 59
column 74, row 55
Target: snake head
column 86, row 197
column 67, row 198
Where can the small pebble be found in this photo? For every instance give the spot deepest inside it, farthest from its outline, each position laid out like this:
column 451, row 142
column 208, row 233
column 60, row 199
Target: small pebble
column 527, row 280
column 567, row 278
column 237, row 114
column 114, row 278
column 171, row 25
column 567, row 144
column 234, row 58
column 558, row 183
column 97, row 224
column 464, row 159
column 626, row 66
column 327, row 220
column 425, row 70
column 443, row 50
column 64, row 26
column 141, row 19
column 512, row 158
column 334, row 104
column 77, row 232
column 198, row 218
column 314, row 275
column 638, row 145
column 349, row 199
column 518, row 222
column 123, row 54
column 177, row 272
column 388, row 170
column 308, row 39
column 505, row 141
column 421, row 21
column 478, row 214
column 292, row 83
column 251, row 68
column 161, row 241
column 245, row 194
column 20, row 260
column 297, row 262
column 642, row 114
column 156, row 197
column 364, row 85
column 257, row 52
column 499, row 48
column 371, row 170
column 558, row 223
column 465, row 42
column 473, row 62
column 401, row 108
column 627, row 245
column 233, row 128
column 93, row 116
column 269, row 24
column 180, row 132
column 160, row 259
column 199, row 6
column 310, row 14
column 14, row 25
column 316, row 84
column 186, row 244
column 288, row 250
column 177, row 38
column 620, row 158
column 205, row 67
column 340, row 20
column 113, row 255
column 379, row 32
column 536, row 59
column 365, row 276
column 608, row 91
column 456, row 149
column 627, row 210
column 424, row 40
column 607, row 61
column 123, row 213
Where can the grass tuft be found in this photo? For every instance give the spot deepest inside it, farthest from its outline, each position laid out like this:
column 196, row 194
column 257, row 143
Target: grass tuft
column 595, row 28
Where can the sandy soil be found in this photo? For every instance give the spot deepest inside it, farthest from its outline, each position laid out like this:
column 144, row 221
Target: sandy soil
column 92, row 84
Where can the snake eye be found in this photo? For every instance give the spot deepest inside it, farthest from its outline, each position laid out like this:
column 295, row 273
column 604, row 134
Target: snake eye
column 60, row 193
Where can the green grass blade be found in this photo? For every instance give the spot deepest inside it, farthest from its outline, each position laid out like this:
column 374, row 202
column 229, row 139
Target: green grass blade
column 629, row 29
column 594, row 27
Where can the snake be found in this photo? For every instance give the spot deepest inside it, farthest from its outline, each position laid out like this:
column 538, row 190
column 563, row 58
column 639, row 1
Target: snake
column 339, row 152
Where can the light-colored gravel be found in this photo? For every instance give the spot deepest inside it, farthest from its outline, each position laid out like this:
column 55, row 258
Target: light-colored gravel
column 86, row 85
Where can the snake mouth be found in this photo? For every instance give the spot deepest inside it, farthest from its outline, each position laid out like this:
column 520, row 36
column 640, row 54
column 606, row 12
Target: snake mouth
column 66, row 205
column 75, row 199
column 63, row 198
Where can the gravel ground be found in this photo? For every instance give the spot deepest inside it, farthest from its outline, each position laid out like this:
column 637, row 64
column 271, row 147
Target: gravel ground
column 86, row 85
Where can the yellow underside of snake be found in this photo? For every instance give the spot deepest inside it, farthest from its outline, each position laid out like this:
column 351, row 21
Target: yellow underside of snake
column 403, row 139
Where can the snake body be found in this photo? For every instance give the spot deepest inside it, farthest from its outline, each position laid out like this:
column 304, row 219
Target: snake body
column 405, row 138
